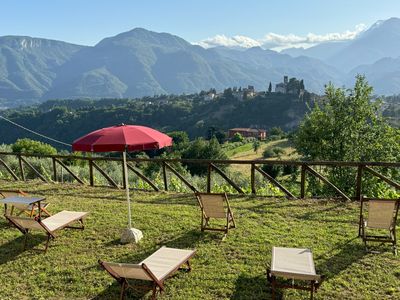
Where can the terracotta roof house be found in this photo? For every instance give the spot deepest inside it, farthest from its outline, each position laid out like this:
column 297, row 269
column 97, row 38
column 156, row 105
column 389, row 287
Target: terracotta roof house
column 249, row 132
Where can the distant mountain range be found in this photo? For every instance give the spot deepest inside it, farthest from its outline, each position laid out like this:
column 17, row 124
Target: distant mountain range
column 140, row 63
column 375, row 53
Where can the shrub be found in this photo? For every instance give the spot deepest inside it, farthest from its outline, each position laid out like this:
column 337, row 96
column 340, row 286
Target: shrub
column 237, row 137
column 268, row 153
column 272, row 170
column 277, row 151
column 29, row 146
column 290, row 169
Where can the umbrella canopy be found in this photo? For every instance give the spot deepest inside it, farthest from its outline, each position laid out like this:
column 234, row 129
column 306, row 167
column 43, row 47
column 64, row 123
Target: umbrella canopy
column 122, row 138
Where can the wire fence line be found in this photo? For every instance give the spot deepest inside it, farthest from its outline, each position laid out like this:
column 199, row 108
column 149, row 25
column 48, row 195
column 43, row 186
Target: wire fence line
column 34, row 132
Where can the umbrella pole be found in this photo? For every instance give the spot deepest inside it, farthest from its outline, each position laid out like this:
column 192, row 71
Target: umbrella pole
column 129, row 234
column 127, row 189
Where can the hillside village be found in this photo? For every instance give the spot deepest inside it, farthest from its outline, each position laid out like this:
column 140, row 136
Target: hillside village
column 288, row 86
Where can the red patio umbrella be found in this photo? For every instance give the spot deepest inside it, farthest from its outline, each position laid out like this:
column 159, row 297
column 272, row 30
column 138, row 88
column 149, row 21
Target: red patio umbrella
column 123, row 138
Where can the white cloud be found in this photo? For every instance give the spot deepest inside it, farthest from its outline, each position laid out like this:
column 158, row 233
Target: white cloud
column 279, row 41
column 237, row 41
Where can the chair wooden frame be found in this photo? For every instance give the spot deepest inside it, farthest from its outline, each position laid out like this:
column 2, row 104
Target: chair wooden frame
column 227, row 215
column 312, row 288
column 156, row 284
column 29, row 210
column 24, row 225
column 364, row 225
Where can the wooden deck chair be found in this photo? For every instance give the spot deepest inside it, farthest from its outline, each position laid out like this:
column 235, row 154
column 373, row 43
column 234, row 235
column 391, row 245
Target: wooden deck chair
column 293, row 264
column 30, row 210
column 155, row 269
column 215, row 206
column 49, row 225
column 381, row 215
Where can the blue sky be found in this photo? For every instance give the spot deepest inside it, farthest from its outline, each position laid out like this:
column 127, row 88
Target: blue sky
column 88, row 21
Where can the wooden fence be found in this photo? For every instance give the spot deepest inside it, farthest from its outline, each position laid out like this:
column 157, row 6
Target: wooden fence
column 306, row 167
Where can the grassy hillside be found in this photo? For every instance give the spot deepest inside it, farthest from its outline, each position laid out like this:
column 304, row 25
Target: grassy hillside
column 246, row 152
column 68, row 120
column 231, row 269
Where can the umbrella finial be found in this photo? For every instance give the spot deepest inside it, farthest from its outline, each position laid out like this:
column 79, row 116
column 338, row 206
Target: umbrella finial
column 122, row 124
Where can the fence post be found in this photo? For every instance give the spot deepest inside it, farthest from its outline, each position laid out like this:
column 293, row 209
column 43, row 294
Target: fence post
column 209, row 168
column 359, row 181
column 164, row 169
column 253, row 184
column 54, row 169
column 303, row 181
column 21, row 167
column 91, row 178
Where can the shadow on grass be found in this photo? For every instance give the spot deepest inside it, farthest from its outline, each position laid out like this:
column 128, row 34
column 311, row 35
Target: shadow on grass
column 265, row 207
column 113, row 292
column 167, row 199
column 184, row 199
column 349, row 253
column 115, row 242
column 316, row 213
column 12, row 249
column 4, row 225
column 191, row 239
column 83, row 194
column 187, row 240
column 252, row 288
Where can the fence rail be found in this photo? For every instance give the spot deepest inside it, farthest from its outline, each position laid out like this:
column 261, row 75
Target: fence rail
column 307, row 168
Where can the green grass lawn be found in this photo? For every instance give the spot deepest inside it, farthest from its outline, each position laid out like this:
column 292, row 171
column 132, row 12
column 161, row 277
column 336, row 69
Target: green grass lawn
column 242, row 148
column 231, row 269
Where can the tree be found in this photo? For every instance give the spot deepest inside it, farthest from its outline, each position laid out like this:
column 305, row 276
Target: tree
column 202, row 149
column 215, row 132
column 228, row 94
column 220, row 135
column 211, row 132
column 180, row 140
column 270, row 87
column 276, row 131
column 237, row 137
column 256, row 145
column 347, row 126
column 302, row 85
column 29, row 146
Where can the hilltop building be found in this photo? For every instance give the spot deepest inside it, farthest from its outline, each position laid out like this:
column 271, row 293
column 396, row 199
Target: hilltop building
column 244, row 93
column 260, row 134
column 250, row 92
column 209, row 96
column 292, row 86
column 281, row 87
